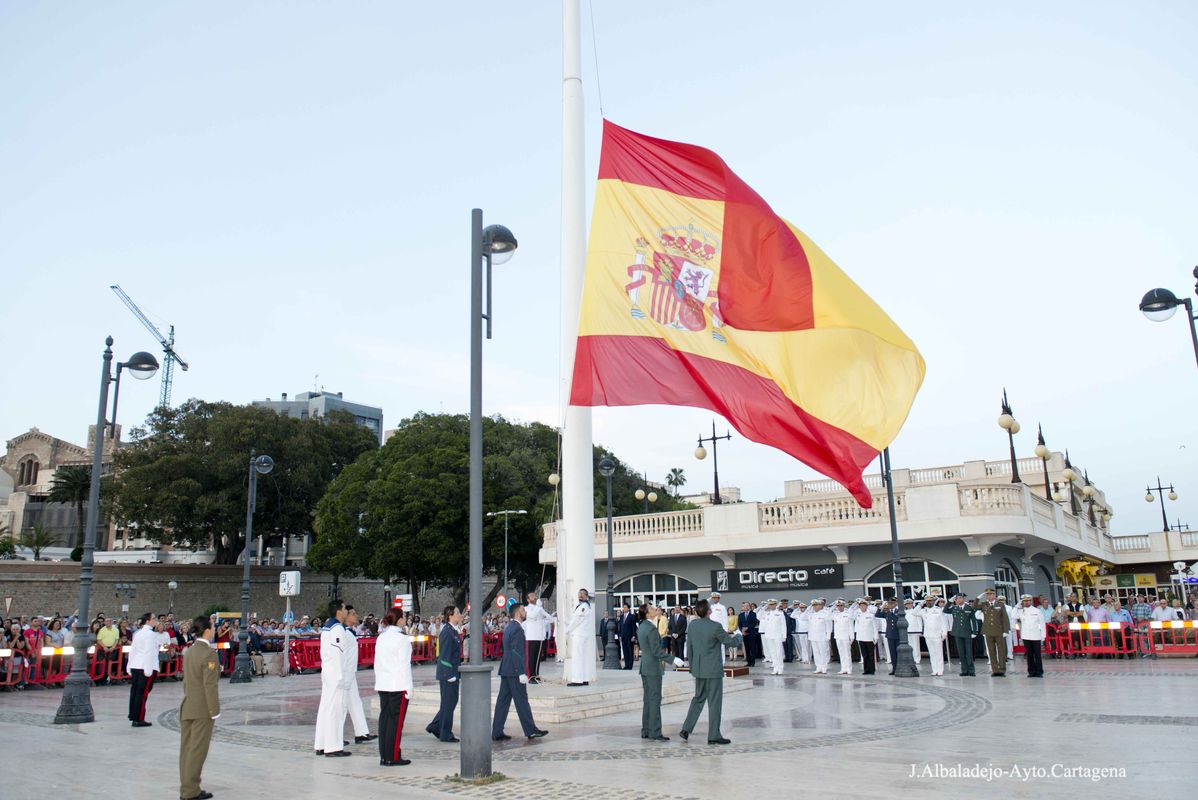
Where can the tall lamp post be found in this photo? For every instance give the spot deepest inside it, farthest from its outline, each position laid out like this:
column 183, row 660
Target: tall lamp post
column 1161, row 304
column 1089, row 491
column 648, row 496
column 1007, row 421
column 1159, row 489
column 141, row 366
column 242, row 671
column 611, row 651
column 172, row 585
column 701, row 453
column 75, row 705
column 904, row 659
column 1043, row 453
column 489, row 246
column 505, row 515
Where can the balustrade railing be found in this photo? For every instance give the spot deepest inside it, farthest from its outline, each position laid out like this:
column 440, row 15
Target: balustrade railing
column 1130, row 544
column 787, row 514
column 977, row 500
column 1189, row 538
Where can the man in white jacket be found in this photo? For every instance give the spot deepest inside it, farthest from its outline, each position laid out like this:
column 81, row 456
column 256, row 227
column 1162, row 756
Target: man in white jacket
column 353, row 697
column 143, row 666
column 536, row 631
column 330, row 716
column 935, row 630
column 914, row 627
column 842, row 630
column 819, row 634
column 1030, row 624
column 773, row 634
column 866, row 634
column 581, row 634
column 393, row 682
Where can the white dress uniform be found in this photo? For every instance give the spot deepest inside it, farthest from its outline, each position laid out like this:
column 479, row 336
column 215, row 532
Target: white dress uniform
column 935, row 630
column 842, row 630
column 581, row 631
column 865, row 628
column 353, row 699
column 719, row 613
column 880, row 624
column 773, row 634
column 819, row 634
column 915, row 631
column 330, row 717
column 802, row 635
column 1012, row 615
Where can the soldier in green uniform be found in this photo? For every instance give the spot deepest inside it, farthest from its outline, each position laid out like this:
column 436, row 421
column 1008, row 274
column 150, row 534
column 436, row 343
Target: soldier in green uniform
column 962, row 632
column 704, row 638
column 995, row 623
column 653, row 660
column 201, row 707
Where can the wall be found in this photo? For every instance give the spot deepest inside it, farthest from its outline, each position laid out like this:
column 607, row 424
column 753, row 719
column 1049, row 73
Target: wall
column 46, row 588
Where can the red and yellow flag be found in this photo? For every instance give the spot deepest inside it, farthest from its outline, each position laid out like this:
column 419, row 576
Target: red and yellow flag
column 697, row 294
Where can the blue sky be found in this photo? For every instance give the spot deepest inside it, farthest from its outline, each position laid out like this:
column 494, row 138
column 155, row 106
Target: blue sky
column 289, row 184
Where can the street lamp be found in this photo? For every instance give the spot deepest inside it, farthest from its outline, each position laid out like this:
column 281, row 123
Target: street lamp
column 1172, row 495
column 611, row 651
column 904, row 658
column 76, row 704
column 1043, row 453
column 141, row 366
column 242, row 671
column 1007, row 421
column 505, row 515
column 1089, row 491
column 172, row 585
column 386, row 597
column 1161, row 304
column 648, row 497
column 492, row 245
column 701, row 453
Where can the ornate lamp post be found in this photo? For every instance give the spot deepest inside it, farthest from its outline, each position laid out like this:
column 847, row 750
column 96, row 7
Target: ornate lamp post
column 505, row 515
column 242, row 671
column 1159, row 489
column 701, row 453
column 76, row 703
column 1043, row 453
column 611, row 652
column 648, row 497
column 1008, row 423
column 172, row 585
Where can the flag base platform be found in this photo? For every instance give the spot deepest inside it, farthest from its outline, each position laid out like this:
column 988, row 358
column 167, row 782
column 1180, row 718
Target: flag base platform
column 552, row 701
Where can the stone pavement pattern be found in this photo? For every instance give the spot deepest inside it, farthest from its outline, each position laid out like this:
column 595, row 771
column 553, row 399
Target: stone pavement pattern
column 845, row 737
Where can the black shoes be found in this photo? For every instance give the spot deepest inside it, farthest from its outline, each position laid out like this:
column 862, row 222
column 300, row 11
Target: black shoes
column 537, row 734
column 370, row 737
column 338, row 754
column 204, row 795
column 503, row 737
column 450, row 740
column 660, row 738
column 399, row 762
column 719, row 741
column 137, row 724
column 685, row 735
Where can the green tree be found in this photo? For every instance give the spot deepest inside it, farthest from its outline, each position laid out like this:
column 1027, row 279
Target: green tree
column 402, row 512
column 8, row 548
column 184, row 478
column 37, row 539
column 73, row 485
column 676, row 479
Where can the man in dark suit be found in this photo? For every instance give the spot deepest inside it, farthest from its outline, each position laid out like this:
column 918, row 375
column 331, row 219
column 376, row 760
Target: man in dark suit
column 677, row 632
column 653, row 662
column 707, row 668
column 513, row 681
column 891, row 615
column 788, row 645
column 627, row 635
column 449, row 658
column 747, row 624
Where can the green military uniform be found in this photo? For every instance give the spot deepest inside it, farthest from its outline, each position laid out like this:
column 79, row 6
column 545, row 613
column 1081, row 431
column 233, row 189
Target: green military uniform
column 995, row 623
column 201, row 704
column 962, row 633
column 653, row 659
column 704, row 638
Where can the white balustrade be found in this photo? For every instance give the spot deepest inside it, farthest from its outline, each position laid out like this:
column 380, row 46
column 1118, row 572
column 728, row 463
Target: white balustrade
column 1043, row 509
column 1189, row 538
column 1131, row 544
column 980, row 500
column 789, row 514
column 937, row 475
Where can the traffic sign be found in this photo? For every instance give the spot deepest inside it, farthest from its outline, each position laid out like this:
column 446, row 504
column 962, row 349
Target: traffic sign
column 289, row 617
column 397, row 603
column 500, row 601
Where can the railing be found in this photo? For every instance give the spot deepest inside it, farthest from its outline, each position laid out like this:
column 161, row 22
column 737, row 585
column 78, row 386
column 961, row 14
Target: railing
column 1044, row 509
column 832, row 487
column 1026, row 466
column 1072, row 525
column 937, row 475
column 668, row 524
column 978, row 500
column 1131, row 544
column 788, row 514
column 1189, row 538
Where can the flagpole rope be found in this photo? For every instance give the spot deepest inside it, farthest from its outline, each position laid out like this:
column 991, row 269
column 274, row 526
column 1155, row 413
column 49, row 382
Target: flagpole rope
column 595, row 53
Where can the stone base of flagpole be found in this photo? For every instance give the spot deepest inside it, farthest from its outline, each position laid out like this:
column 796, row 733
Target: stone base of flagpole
column 904, row 660
column 476, row 720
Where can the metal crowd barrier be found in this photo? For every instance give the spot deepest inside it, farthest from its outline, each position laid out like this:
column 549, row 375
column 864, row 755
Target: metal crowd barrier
column 1168, row 637
column 1097, row 639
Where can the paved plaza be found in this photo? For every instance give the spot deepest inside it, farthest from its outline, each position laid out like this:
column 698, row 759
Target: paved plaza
column 843, row 737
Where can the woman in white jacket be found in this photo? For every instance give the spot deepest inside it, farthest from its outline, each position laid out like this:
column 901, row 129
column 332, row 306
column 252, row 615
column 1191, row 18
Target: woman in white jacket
column 393, row 682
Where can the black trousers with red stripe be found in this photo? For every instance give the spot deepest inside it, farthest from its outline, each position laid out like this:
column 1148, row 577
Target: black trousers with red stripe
column 139, row 693
column 393, row 707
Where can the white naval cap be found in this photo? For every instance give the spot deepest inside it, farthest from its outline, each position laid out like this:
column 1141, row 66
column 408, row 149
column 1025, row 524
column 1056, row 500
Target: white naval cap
column 771, row 602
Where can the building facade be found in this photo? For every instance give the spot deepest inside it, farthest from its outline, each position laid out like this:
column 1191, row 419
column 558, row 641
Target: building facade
column 963, row 528
column 319, row 404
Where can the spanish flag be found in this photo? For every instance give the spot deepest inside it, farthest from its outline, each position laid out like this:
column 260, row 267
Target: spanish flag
column 697, row 294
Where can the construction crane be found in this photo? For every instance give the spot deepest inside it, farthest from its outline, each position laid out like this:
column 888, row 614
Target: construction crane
column 169, row 356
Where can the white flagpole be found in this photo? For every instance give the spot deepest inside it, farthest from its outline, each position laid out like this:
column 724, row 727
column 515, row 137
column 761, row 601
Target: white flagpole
column 578, row 571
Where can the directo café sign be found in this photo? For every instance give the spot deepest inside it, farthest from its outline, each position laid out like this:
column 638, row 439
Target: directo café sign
column 826, row 576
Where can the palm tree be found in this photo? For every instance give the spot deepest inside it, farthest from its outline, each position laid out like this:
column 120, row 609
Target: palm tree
column 676, row 479
column 37, row 538
column 72, row 485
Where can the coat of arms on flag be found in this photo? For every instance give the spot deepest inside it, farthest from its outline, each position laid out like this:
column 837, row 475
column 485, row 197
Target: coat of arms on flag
column 670, row 280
